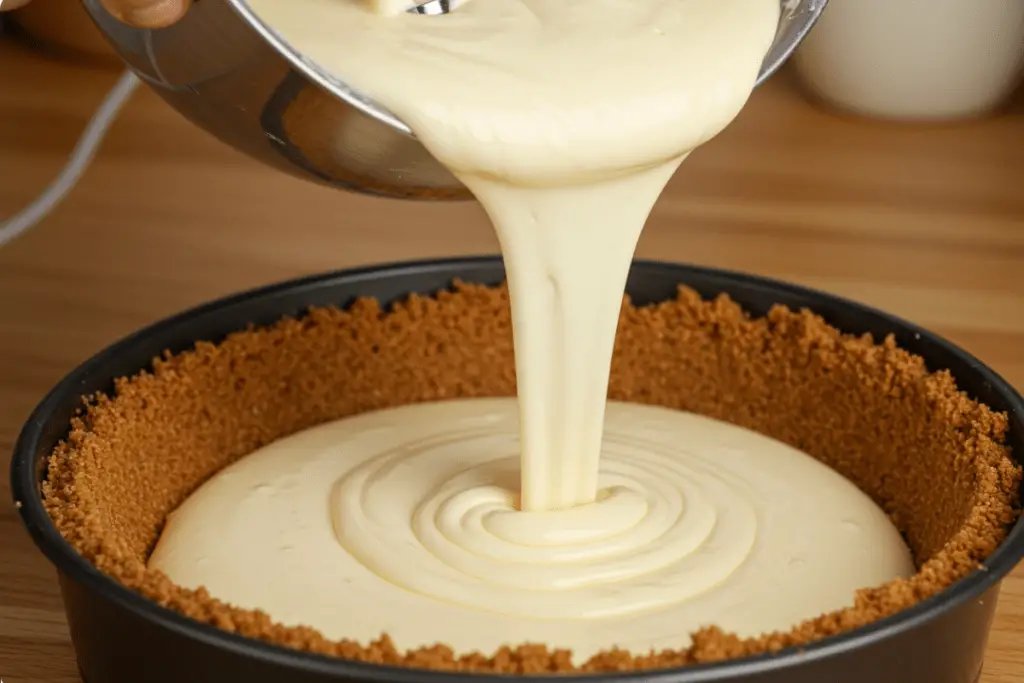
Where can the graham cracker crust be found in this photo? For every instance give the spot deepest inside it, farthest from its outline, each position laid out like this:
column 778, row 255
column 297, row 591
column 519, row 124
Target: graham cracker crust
column 934, row 459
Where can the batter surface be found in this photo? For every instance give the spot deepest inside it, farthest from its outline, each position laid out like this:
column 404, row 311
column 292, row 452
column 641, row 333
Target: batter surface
column 404, row 521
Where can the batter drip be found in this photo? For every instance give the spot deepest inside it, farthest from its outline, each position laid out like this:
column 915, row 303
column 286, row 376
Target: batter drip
column 404, row 521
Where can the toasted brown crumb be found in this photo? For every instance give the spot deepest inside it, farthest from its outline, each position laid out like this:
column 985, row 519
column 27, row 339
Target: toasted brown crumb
column 934, row 459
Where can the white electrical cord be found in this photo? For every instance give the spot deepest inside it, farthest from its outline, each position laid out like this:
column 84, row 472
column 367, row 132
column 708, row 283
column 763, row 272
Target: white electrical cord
column 78, row 161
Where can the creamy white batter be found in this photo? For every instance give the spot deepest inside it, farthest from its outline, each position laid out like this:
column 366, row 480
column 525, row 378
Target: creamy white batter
column 404, row 521
column 565, row 118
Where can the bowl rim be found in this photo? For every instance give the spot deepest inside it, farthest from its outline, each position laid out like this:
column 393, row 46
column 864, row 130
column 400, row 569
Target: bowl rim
column 28, row 499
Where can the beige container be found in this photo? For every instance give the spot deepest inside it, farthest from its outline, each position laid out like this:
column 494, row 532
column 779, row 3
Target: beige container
column 915, row 59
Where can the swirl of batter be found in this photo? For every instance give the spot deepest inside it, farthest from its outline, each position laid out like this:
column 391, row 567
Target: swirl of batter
column 406, row 521
column 664, row 528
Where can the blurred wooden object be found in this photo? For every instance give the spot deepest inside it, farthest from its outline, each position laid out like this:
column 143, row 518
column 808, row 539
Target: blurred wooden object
column 64, row 28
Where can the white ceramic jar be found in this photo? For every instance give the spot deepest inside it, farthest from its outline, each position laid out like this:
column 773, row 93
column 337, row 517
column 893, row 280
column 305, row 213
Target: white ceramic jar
column 915, row 59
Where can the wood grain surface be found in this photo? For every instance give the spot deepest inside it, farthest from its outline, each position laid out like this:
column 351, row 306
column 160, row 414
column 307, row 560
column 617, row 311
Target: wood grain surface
column 926, row 222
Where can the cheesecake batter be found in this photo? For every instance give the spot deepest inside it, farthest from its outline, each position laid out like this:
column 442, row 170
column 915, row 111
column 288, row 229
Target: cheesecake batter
column 483, row 523
column 565, row 118
column 405, row 521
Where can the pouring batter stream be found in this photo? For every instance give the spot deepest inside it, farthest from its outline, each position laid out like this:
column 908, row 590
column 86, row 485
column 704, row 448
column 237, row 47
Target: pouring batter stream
column 565, row 119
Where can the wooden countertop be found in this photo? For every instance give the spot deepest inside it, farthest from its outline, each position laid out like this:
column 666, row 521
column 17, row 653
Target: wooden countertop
column 925, row 222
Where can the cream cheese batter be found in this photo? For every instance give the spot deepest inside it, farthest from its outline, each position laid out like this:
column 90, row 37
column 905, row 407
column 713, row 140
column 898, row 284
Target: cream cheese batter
column 404, row 521
column 483, row 523
column 565, row 118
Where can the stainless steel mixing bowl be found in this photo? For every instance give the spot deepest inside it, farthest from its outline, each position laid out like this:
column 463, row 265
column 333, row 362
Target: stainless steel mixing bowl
column 228, row 73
